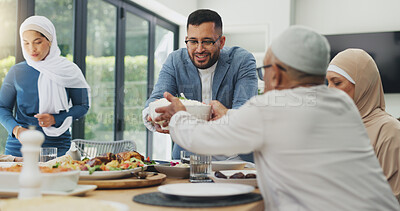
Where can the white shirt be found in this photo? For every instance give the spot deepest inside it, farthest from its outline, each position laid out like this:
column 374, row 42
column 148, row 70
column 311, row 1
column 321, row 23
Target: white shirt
column 206, row 76
column 311, row 149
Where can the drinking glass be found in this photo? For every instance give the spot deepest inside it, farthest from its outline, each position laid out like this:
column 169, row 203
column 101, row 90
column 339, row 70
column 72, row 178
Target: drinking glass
column 185, row 157
column 200, row 168
column 47, row 153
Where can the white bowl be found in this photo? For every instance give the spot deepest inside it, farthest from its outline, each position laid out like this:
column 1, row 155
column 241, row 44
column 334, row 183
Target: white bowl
column 248, row 181
column 61, row 181
column 195, row 108
column 228, row 165
column 173, row 171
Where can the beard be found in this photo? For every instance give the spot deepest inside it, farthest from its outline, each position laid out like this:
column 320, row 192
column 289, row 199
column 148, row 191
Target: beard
column 204, row 65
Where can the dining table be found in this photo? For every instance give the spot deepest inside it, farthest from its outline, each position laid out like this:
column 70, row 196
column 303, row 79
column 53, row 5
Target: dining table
column 125, row 196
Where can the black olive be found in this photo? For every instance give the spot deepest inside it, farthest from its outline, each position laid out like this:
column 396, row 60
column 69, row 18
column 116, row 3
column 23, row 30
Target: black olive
column 251, row 176
column 218, row 174
column 238, row 175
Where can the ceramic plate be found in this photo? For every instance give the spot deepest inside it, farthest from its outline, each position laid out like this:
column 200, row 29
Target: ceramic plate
column 228, row 165
column 173, row 171
column 84, row 175
column 205, row 189
column 79, row 190
column 228, row 173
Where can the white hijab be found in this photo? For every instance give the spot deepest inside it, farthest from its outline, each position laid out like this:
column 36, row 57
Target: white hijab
column 56, row 74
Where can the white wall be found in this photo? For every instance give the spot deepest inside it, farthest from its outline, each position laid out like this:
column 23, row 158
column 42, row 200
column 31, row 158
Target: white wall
column 352, row 16
column 256, row 22
column 274, row 13
column 184, row 7
column 348, row 16
column 245, row 21
column 393, row 104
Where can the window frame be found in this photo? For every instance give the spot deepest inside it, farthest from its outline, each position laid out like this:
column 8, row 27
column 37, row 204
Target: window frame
column 26, row 8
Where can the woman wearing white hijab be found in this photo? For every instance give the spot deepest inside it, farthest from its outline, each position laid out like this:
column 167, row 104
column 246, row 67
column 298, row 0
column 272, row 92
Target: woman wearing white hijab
column 49, row 91
column 355, row 72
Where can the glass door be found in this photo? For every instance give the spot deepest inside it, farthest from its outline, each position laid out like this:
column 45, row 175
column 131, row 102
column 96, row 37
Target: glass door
column 100, row 69
column 135, row 78
column 8, row 23
column 61, row 14
column 164, row 45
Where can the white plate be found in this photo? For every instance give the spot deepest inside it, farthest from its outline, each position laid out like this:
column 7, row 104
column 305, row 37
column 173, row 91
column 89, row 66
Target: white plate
column 79, row 190
column 108, row 174
column 228, row 165
column 228, row 173
column 173, row 171
column 205, row 189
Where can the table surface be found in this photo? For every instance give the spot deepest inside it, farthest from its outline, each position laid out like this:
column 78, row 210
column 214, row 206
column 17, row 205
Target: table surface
column 125, row 196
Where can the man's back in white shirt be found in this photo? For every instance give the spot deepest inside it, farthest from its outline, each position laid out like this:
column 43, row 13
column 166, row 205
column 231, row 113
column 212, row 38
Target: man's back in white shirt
column 311, row 149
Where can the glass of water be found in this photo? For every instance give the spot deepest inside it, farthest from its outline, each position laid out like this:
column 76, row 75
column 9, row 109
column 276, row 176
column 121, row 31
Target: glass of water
column 200, row 168
column 185, row 157
column 47, row 153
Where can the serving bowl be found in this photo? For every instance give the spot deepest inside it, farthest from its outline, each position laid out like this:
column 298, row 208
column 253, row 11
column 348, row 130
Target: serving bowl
column 173, row 171
column 195, row 108
column 60, row 181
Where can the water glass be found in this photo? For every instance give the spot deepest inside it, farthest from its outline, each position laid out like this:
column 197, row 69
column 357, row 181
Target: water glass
column 185, row 157
column 200, row 168
column 47, row 153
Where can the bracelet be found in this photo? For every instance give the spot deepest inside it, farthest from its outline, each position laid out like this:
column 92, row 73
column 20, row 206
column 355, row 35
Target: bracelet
column 17, row 131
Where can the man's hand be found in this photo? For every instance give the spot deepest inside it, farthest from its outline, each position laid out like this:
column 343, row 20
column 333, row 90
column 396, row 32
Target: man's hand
column 168, row 111
column 218, row 110
column 159, row 128
column 45, row 120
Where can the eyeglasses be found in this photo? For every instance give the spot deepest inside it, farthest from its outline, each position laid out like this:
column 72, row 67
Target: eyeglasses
column 204, row 43
column 261, row 70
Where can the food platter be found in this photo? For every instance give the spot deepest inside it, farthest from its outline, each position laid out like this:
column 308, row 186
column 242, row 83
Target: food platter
column 101, row 175
column 130, row 182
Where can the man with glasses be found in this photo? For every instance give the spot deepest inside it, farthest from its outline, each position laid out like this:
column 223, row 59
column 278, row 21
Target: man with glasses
column 206, row 71
column 311, row 148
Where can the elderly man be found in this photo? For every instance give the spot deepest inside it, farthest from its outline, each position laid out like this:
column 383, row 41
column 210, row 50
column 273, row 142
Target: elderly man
column 206, row 70
column 312, row 151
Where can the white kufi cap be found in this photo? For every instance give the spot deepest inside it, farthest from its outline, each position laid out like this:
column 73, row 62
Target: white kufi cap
column 303, row 49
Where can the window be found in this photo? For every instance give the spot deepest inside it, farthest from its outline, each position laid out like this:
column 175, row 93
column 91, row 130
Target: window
column 119, row 46
column 100, row 70
column 60, row 13
column 135, row 84
column 8, row 24
column 163, row 47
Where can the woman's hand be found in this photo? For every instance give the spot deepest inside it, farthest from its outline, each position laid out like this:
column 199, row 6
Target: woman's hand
column 218, row 110
column 45, row 120
column 18, row 130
